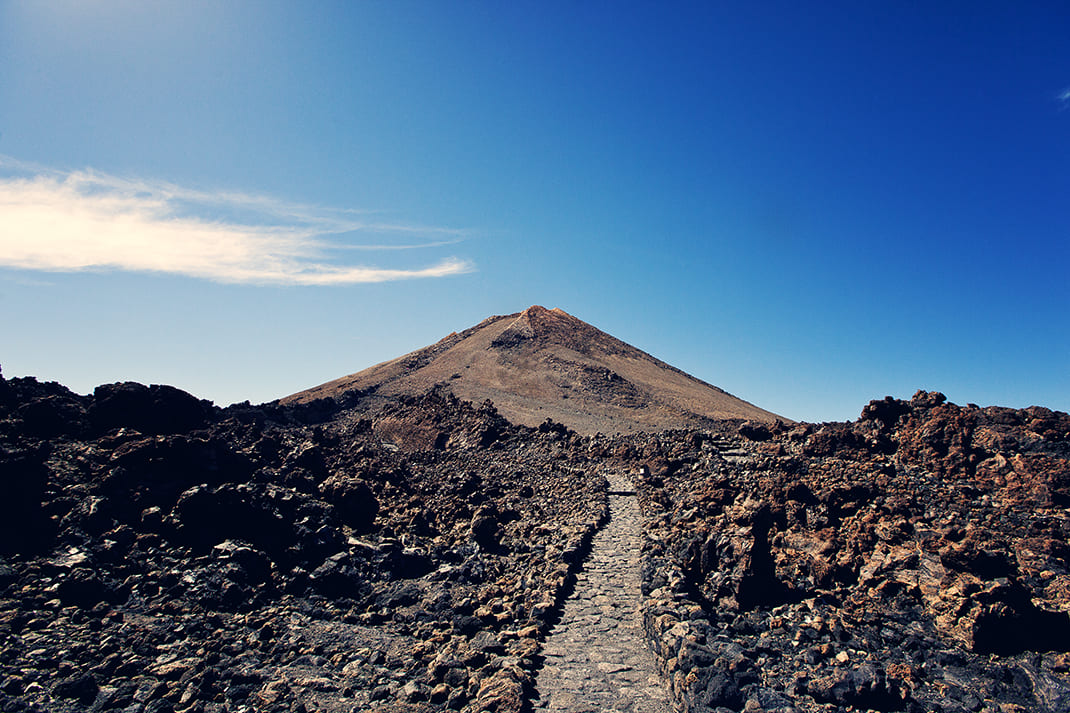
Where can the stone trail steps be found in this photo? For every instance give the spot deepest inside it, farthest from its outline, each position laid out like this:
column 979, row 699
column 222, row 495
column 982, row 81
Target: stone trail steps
column 595, row 657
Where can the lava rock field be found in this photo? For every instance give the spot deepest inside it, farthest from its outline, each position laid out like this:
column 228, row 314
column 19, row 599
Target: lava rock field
column 158, row 553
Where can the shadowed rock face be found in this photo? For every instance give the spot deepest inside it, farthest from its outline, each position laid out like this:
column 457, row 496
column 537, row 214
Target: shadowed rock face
column 544, row 363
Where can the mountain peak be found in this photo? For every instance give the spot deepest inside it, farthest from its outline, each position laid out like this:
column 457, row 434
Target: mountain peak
column 545, row 363
column 539, row 309
column 543, row 322
column 553, row 325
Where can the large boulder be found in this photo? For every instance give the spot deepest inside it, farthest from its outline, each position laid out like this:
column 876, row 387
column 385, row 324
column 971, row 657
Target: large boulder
column 43, row 409
column 207, row 516
column 340, row 576
column 23, row 475
column 153, row 471
column 353, row 501
column 153, row 410
column 52, row 416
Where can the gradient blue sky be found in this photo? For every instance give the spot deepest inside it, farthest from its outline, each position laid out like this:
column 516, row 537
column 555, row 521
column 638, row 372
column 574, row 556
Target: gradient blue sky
column 809, row 205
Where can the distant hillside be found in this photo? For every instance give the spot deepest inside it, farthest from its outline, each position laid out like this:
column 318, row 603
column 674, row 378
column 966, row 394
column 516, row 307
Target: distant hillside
column 544, row 363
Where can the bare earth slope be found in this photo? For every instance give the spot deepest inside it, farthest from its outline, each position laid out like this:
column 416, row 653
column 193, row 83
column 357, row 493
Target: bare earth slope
column 543, row 363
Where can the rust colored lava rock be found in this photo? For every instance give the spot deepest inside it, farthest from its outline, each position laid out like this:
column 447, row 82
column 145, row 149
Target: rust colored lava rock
column 912, row 560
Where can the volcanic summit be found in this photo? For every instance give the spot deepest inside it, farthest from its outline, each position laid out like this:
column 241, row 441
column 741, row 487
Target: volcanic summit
column 544, row 363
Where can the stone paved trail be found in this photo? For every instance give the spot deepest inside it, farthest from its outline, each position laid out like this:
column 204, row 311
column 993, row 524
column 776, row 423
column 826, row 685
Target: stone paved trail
column 596, row 658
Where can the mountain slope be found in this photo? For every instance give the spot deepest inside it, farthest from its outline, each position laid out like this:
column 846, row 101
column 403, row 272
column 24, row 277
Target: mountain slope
column 544, row 363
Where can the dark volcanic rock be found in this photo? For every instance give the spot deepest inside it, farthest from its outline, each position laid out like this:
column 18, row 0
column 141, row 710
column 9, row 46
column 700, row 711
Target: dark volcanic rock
column 485, row 527
column 204, row 560
column 43, row 410
column 353, row 499
column 755, row 431
column 153, row 471
column 153, row 410
column 81, row 687
column 160, row 555
column 205, row 516
column 23, row 477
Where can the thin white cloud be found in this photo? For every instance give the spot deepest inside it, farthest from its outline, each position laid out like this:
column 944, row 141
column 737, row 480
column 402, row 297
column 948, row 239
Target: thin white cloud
column 1063, row 98
column 437, row 244
column 85, row 220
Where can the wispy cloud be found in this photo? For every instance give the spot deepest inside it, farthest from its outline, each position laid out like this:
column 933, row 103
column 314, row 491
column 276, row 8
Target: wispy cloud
column 85, row 220
column 437, row 244
column 1063, row 98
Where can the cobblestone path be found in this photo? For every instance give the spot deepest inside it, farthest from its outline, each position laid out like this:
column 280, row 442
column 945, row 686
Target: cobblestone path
column 595, row 658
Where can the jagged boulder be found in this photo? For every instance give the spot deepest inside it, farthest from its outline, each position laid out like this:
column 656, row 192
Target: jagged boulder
column 152, row 410
column 353, row 500
column 24, row 525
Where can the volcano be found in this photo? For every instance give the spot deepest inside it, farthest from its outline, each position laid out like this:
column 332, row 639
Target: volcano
column 546, row 364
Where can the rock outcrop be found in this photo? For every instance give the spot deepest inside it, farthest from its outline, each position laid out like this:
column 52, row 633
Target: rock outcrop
column 914, row 560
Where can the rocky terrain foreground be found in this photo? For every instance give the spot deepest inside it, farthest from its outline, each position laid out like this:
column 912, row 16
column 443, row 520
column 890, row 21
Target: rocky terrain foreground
column 162, row 554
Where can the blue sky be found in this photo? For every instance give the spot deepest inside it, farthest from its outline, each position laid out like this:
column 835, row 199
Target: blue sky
column 808, row 205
